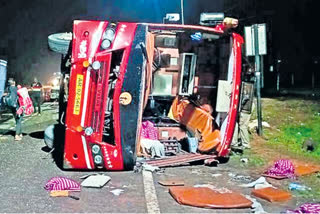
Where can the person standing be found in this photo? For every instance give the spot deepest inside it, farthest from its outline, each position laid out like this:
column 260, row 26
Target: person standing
column 241, row 136
column 12, row 103
column 36, row 88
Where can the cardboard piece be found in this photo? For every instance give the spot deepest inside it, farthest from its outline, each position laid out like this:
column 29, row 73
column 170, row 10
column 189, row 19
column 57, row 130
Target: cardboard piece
column 272, row 194
column 96, row 181
column 208, row 198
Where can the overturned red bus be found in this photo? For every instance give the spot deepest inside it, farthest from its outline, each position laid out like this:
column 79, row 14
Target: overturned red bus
column 184, row 78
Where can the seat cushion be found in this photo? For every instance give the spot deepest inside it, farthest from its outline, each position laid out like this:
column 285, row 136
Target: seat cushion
column 208, row 198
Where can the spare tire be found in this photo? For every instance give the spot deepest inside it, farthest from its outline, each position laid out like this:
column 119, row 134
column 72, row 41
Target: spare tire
column 59, row 42
column 49, row 136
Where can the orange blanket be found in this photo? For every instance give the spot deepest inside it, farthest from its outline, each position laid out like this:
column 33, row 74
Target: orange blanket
column 198, row 121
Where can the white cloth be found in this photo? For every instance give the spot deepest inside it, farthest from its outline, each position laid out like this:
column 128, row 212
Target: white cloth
column 153, row 147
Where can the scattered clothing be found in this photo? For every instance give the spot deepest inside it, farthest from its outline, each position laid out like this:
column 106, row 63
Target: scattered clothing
column 282, row 168
column 153, row 147
column 149, row 131
column 62, row 183
column 149, row 140
column 306, row 208
column 258, row 184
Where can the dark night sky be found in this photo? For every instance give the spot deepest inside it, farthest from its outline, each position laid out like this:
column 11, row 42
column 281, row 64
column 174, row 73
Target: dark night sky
column 25, row 26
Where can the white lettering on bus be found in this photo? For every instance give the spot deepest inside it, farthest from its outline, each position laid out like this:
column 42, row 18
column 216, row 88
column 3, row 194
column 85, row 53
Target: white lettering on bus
column 83, row 49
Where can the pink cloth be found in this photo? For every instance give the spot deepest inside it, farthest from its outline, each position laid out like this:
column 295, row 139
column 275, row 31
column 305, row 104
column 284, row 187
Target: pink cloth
column 148, row 130
column 307, row 208
column 25, row 102
column 283, row 168
column 62, row 183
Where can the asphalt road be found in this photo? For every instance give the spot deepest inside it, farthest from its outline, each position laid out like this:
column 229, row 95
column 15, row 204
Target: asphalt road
column 26, row 166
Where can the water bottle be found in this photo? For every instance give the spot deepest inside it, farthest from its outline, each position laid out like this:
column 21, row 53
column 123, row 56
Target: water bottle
column 297, row 186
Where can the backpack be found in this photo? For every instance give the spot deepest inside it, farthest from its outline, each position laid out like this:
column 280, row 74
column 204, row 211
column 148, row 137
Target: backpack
column 10, row 100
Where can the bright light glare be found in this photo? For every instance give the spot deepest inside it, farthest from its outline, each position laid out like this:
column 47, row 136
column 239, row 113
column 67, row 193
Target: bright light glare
column 55, row 82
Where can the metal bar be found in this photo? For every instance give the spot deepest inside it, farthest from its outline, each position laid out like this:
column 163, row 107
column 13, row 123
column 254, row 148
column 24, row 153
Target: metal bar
column 262, row 72
column 182, row 16
column 258, row 78
column 205, row 86
column 179, row 159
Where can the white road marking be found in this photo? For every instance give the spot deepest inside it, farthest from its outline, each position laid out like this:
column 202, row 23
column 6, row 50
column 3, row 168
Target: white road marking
column 150, row 193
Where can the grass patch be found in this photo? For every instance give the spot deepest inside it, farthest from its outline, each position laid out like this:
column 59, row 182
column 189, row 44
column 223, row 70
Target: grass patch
column 312, row 181
column 254, row 160
column 293, row 122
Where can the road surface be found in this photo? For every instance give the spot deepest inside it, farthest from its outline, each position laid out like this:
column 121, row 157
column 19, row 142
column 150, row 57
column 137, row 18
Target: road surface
column 26, row 166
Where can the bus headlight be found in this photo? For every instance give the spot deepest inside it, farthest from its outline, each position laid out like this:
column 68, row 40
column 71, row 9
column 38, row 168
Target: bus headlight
column 109, row 34
column 106, row 43
column 98, row 159
column 95, row 149
column 96, row 65
column 88, row 131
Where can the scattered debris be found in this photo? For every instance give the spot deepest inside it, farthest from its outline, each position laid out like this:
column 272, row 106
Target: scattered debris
column 244, row 160
column 211, row 162
column 216, row 175
column 298, row 187
column 256, row 206
column 117, row 192
column 85, row 176
column 172, row 182
column 241, row 178
column 208, row 198
column 254, row 124
column 260, row 183
column 62, row 193
column 310, row 145
column 150, row 168
column 195, row 171
column 96, row 181
column 138, row 167
column 272, row 194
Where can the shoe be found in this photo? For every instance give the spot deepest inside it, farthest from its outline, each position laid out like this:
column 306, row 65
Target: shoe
column 17, row 138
